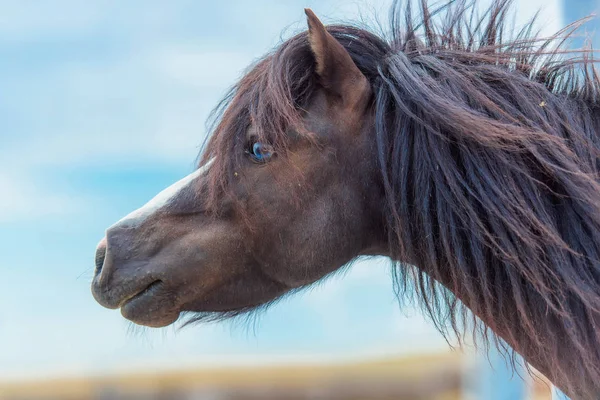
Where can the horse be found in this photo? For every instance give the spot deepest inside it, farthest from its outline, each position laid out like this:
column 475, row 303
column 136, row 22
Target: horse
column 467, row 155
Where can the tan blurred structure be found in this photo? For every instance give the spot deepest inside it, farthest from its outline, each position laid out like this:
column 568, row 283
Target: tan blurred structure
column 432, row 377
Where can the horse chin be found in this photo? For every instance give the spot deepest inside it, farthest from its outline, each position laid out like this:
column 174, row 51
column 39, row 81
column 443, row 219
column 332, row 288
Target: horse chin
column 153, row 308
column 150, row 321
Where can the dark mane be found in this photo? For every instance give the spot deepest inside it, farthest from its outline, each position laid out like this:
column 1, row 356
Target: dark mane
column 488, row 152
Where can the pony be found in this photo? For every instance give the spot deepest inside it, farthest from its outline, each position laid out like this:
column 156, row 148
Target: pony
column 467, row 155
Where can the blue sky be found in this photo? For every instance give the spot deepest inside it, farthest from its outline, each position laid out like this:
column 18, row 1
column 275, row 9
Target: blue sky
column 576, row 9
column 103, row 104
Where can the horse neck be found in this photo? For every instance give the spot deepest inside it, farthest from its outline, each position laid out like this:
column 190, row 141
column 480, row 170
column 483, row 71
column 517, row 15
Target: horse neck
column 535, row 286
column 505, row 215
column 555, row 353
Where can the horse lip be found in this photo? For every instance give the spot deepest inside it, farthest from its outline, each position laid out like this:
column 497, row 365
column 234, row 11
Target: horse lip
column 149, row 289
column 115, row 296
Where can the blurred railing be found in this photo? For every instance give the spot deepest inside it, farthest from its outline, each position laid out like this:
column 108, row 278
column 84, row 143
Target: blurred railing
column 430, row 377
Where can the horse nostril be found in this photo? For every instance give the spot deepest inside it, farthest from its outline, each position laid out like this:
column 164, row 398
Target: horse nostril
column 100, row 255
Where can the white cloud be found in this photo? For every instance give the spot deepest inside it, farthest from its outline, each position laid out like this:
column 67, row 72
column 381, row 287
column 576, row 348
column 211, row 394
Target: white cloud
column 333, row 302
column 29, row 19
column 199, row 68
column 148, row 107
column 22, row 199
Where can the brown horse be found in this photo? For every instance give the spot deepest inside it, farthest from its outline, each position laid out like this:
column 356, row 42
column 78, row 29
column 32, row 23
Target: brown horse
column 468, row 159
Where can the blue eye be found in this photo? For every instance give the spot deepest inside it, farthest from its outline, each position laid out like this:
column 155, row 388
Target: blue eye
column 260, row 152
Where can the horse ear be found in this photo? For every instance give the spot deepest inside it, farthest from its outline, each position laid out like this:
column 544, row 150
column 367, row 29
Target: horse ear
column 336, row 70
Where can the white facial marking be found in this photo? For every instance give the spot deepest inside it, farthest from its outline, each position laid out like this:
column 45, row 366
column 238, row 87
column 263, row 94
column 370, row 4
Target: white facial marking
column 137, row 217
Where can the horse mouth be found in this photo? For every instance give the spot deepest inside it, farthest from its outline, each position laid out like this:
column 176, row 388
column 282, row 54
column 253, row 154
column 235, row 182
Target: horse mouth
column 152, row 306
column 149, row 290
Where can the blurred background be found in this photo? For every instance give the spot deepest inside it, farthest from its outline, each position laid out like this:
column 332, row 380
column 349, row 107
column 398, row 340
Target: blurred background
column 102, row 105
